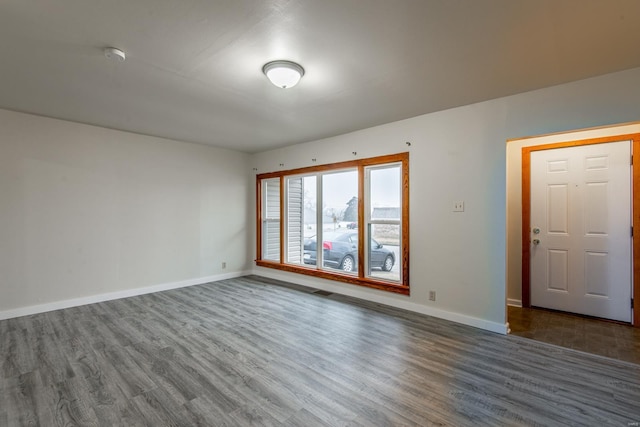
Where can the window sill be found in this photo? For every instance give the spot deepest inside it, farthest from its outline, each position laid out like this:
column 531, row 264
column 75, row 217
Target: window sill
column 310, row 271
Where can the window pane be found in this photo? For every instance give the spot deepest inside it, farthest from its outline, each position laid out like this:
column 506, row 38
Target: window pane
column 384, row 228
column 311, row 227
column 301, row 219
column 385, row 200
column 271, row 219
column 340, row 221
column 384, row 255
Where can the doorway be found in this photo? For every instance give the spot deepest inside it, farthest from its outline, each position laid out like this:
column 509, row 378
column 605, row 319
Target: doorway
column 519, row 235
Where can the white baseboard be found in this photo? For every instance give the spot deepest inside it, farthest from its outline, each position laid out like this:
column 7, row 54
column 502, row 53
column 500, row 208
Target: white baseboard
column 514, row 302
column 323, row 285
column 356, row 292
column 75, row 302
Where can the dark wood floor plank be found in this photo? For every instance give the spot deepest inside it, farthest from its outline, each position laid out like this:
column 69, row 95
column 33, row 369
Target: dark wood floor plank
column 53, row 363
column 10, row 353
column 303, row 418
column 27, row 360
column 204, row 412
column 156, row 409
column 254, row 351
column 21, row 391
column 124, row 371
column 318, row 394
column 153, row 361
column 74, row 405
column 250, row 415
column 44, row 398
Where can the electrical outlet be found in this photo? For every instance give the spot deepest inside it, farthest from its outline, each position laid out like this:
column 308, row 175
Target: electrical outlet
column 432, row 295
column 458, row 206
column 224, row 264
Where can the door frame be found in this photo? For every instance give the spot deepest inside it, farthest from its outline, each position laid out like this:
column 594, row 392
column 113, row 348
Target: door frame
column 635, row 207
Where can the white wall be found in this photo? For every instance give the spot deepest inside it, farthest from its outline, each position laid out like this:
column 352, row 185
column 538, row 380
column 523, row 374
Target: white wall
column 460, row 154
column 88, row 213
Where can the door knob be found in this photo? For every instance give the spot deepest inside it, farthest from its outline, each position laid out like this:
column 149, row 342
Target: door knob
column 536, row 242
column 536, row 230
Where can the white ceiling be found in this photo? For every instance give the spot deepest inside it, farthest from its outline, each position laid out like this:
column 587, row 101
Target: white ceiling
column 193, row 68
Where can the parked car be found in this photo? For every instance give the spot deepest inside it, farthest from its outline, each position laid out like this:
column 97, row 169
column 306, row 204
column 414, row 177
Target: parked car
column 340, row 250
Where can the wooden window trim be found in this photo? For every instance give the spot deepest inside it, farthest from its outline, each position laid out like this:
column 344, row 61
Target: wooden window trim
column 361, row 280
column 635, row 203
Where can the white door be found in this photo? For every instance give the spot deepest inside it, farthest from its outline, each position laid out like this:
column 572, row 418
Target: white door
column 581, row 230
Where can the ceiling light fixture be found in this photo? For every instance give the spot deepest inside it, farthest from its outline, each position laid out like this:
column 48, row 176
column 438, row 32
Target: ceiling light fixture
column 114, row 53
column 284, row 74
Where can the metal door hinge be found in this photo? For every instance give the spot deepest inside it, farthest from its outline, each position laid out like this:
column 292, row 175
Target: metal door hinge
column 632, row 160
column 632, row 231
column 631, row 302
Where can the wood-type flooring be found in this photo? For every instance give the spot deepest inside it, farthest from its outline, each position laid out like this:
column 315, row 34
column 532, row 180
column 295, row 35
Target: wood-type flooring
column 252, row 351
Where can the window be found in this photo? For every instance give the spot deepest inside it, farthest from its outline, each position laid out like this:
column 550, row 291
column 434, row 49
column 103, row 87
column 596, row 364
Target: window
column 301, row 216
column 271, row 224
column 347, row 222
column 383, row 220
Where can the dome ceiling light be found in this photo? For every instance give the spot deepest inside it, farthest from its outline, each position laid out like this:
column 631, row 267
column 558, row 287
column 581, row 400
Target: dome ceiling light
column 114, row 53
column 284, row 74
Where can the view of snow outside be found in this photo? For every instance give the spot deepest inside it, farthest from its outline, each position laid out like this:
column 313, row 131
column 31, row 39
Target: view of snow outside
column 340, row 188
